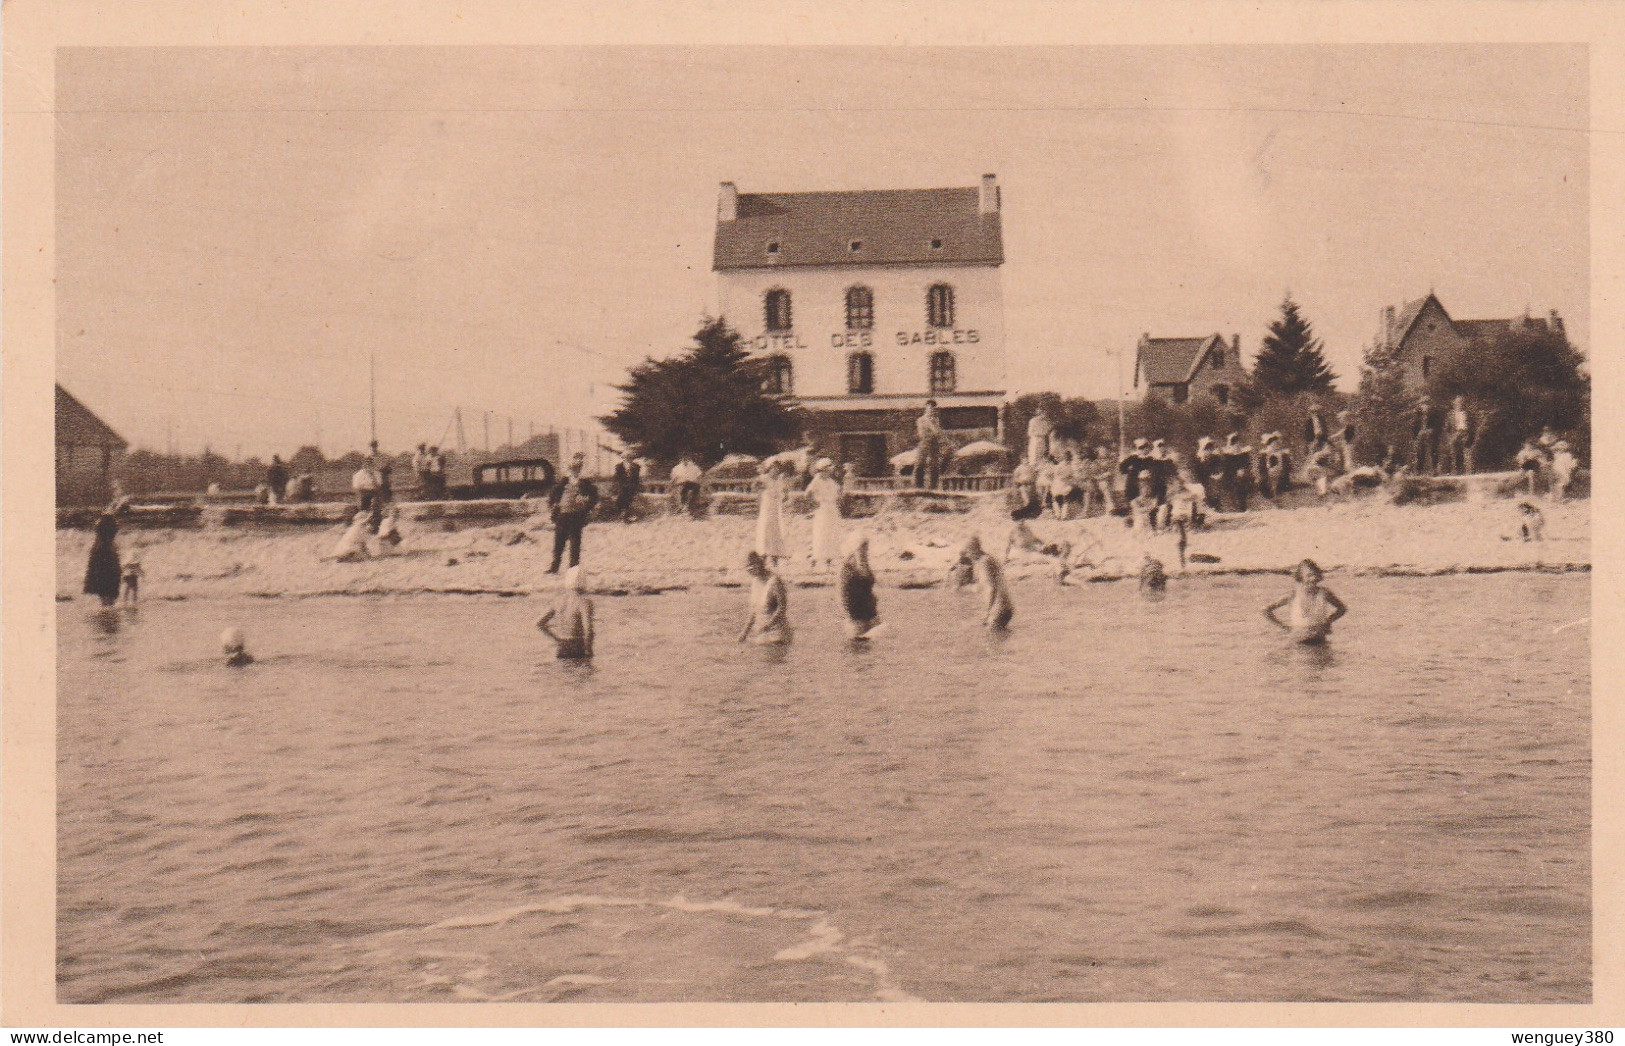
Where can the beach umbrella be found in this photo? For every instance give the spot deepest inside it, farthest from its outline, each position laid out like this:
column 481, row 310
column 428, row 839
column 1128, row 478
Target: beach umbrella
column 981, row 448
column 798, row 457
column 736, row 463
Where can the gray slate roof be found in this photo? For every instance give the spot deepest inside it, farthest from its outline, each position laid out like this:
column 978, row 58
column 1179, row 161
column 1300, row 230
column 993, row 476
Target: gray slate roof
column 894, row 226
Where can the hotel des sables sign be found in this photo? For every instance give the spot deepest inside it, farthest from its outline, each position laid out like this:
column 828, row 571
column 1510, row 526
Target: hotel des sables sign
column 784, row 341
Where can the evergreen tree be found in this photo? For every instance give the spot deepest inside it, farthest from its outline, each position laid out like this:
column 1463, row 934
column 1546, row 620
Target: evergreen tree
column 708, row 402
column 1290, row 360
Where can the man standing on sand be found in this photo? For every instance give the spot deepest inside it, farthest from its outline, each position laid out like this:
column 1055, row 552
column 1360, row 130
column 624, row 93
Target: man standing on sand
column 420, row 466
column 685, row 484
column 365, row 484
column 1460, row 434
column 1424, row 438
column 1343, row 440
column 573, row 499
column 1038, row 434
column 276, row 477
column 437, row 472
column 928, row 452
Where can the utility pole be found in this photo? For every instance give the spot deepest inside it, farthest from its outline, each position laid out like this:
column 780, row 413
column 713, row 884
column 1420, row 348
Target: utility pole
column 510, row 431
column 461, row 443
column 487, row 417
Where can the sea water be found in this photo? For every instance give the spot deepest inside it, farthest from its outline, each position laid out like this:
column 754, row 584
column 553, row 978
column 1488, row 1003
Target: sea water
column 409, row 799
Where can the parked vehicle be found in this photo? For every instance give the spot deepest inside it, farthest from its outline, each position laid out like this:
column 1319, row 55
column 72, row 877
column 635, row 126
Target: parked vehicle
column 522, row 478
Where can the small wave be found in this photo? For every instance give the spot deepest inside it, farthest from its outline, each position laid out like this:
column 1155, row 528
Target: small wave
column 824, row 940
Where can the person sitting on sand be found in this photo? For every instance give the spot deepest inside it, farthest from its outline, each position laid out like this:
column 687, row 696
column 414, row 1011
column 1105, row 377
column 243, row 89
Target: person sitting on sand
column 132, row 578
column 1153, row 578
column 352, row 547
column 1313, row 608
column 769, row 621
column 1532, row 522
column 235, row 648
column 858, row 588
column 990, row 584
column 1325, row 464
column 573, row 612
column 1022, row 539
column 389, row 528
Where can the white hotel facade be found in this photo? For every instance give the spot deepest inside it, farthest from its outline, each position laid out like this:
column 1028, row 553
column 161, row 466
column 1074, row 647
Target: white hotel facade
column 869, row 303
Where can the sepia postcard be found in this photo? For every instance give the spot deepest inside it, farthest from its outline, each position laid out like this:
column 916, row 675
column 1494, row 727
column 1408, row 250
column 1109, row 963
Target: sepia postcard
column 880, row 513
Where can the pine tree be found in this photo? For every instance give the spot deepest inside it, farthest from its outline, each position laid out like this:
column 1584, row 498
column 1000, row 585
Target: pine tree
column 706, row 403
column 1290, row 360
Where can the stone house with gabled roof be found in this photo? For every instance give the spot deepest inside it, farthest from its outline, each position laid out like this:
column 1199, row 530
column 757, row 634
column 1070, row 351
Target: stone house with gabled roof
column 1180, row 369
column 867, row 304
column 88, row 453
column 1420, row 335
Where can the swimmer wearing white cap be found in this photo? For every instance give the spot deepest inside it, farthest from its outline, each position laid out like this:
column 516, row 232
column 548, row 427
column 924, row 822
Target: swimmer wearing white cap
column 233, row 646
column 573, row 611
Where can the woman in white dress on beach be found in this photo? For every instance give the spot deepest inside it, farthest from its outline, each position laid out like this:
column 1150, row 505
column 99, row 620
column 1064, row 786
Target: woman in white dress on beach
column 770, row 515
column 826, row 523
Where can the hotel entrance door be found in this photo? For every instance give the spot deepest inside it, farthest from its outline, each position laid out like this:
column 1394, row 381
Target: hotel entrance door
column 865, row 453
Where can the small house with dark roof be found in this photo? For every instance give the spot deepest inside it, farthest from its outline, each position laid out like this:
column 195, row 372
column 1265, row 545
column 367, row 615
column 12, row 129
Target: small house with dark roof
column 88, row 453
column 1179, row 369
column 869, row 303
column 1420, row 335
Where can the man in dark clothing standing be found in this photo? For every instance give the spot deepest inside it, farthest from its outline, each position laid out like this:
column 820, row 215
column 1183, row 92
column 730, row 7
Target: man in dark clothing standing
column 573, row 499
column 276, row 477
column 1424, row 438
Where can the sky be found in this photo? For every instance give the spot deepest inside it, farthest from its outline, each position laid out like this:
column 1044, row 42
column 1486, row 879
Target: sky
column 242, row 232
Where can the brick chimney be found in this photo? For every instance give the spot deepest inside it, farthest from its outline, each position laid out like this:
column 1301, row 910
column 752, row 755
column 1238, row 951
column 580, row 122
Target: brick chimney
column 1557, row 323
column 728, row 203
column 1235, row 347
column 1388, row 327
column 989, row 201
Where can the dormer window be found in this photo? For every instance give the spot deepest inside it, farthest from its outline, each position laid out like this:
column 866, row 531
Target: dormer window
column 773, row 247
column 855, row 246
column 936, row 245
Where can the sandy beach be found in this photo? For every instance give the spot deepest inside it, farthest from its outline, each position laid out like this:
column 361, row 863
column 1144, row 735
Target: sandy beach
column 909, row 548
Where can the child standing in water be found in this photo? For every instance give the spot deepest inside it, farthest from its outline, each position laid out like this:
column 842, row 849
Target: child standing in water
column 989, row 584
column 573, row 612
column 132, row 578
column 1313, row 608
column 858, row 589
column 769, row 621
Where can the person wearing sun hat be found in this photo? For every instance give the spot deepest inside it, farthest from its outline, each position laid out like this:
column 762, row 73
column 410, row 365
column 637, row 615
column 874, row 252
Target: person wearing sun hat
column 826, row 523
